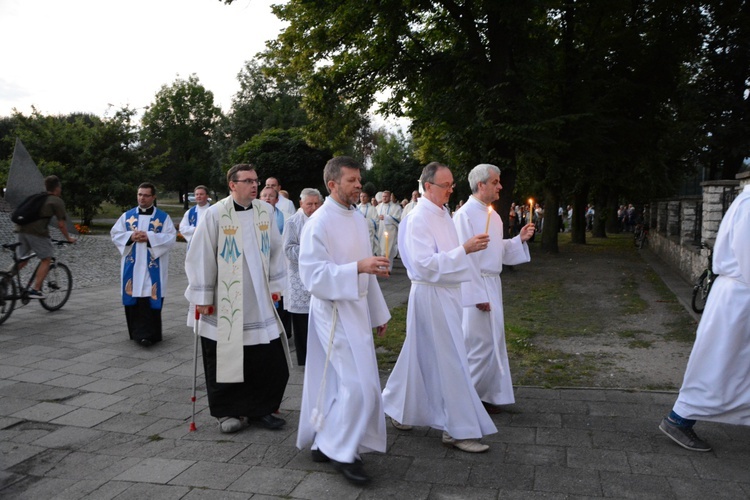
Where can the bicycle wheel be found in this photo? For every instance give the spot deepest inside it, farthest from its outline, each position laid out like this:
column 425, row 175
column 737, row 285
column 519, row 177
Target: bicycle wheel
column 8, row 294
column 57, row 287
column 700, row 293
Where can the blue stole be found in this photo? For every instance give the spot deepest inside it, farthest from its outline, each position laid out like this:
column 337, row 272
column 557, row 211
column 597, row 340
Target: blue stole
column 193, row 216
column 279, row 219
column 155, row 224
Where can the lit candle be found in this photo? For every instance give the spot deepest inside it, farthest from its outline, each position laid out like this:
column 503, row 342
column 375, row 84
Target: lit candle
column 386, row 244
column 489, row 212
column 531, row 209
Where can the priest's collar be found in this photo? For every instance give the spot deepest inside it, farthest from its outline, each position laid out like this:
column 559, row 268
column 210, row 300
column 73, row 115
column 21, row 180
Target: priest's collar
column 472, row 197
column 240, row 208
column 146, row 211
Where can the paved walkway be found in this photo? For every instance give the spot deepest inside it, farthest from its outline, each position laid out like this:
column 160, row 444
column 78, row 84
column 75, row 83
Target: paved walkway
column 85, row 413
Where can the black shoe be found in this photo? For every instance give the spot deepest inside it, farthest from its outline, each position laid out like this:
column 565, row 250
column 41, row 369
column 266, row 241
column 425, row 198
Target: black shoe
column 353, row 472
column 269, row 421
column 145, row 342
column 319, row 456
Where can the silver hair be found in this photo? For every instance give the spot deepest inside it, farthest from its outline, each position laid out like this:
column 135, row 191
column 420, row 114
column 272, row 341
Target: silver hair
column 310, row 192
column 481, row 173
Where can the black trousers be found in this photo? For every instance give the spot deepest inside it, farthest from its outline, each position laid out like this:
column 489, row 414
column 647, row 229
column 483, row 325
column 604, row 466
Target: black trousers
column 144, row 322
column 299, row 326
column 265, row 376
column 285, row 317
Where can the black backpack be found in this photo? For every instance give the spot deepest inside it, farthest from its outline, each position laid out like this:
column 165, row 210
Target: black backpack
column 29, row 209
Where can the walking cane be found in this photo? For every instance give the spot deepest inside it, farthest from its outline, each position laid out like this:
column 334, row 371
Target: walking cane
column 195, row 361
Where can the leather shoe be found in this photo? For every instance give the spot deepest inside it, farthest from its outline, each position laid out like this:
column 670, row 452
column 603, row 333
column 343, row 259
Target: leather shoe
column 269, row 421
column 492, row 409
column 145, row 342
column 352, row 472
column 319, row 456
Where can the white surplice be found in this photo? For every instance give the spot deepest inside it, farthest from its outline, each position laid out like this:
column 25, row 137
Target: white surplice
column 158, row 246
column 333, row 240
column 484, row 332
column 716, row 385
column 431, row 382
column 261, row 324
column 186, row 229
column 371, row 216
column 391, row 213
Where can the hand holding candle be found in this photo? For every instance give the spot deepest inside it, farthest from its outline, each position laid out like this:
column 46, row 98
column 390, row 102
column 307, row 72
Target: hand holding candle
column 531, row 210
column 489, row 213
column 386, row 244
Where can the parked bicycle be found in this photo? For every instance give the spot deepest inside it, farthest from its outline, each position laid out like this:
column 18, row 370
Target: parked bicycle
column 13, row 287
column 703, row 283
column 640, row 235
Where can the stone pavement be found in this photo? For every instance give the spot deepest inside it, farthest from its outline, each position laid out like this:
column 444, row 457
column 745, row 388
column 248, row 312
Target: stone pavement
column 86, row 413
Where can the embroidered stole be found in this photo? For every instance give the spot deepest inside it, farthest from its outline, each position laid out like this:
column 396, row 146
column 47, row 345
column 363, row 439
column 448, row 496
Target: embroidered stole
column 131, row 224
column 193, row 216
column 229, row 300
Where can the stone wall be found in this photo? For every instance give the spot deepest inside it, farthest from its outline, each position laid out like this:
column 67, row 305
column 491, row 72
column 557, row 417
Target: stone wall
column 679, row 226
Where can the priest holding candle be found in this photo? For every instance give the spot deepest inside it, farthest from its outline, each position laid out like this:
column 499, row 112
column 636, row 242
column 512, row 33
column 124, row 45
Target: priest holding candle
column 431, row 383
column 483, row 320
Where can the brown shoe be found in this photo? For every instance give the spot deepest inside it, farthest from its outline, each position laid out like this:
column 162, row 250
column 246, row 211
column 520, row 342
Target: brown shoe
column 402, row 427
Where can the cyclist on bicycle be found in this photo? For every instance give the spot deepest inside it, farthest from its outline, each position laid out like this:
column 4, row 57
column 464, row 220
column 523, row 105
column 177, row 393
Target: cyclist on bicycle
column 34, row 236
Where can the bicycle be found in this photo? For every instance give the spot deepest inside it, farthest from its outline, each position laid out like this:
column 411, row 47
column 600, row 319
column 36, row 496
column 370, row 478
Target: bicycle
column 640, row 235
column 56, row 287
column 703, row 284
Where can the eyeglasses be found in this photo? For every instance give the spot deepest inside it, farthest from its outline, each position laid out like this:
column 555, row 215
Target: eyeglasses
column 446, row 186
column 247, row 181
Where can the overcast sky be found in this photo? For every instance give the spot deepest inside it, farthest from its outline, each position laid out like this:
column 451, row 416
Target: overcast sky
column 65, row 56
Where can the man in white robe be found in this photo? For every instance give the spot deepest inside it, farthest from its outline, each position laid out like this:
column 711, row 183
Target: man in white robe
column 431, row 383
column 371, row 216
column 342, row 415
column 193, row 216
column 412, row 203
column 144, row 235
column 716, row 386
column 483, row 322
column 297, row 301
column 389, row 215
column 235, row 267
column 284, row 204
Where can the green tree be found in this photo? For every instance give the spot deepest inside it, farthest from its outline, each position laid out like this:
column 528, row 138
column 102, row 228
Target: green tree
column 181, row 124
column 97, row 159
column 394, row 166
column 286, row 155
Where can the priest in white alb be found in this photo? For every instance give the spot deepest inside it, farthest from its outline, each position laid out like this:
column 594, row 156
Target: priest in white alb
column 193, row 216
column 342, row 413
column 370, row 213
column 483, row 321
column 235, row 267
column 389, row 215
column 431, row 385
column 716, row 385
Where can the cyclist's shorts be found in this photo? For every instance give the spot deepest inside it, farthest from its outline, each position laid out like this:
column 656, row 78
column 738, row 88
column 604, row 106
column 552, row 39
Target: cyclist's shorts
column 40, row 245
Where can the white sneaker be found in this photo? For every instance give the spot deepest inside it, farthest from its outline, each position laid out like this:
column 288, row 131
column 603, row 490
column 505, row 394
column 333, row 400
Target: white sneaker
column 467, row 445
column 229, row 425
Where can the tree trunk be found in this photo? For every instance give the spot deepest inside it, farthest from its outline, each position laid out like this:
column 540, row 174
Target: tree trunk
column 600, row 216
column 551, row 226
column 508, row 181
column 578, row 231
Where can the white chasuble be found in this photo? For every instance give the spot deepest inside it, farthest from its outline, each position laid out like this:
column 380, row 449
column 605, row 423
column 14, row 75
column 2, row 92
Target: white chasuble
column 235, row 262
